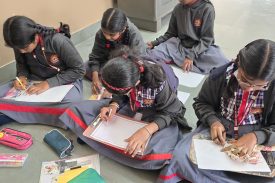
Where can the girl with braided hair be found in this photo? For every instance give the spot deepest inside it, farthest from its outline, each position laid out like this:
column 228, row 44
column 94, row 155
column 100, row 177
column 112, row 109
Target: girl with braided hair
column 41, row 54
column 138, row 86
column 116, row 30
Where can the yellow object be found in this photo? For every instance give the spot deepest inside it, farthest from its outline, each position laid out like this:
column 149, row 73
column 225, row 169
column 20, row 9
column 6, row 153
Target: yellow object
column 70, row 174
column 1, row 135
column 20, row 83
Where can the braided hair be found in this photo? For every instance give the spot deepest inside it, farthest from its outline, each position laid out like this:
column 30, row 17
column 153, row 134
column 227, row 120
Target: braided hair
column 20, row 31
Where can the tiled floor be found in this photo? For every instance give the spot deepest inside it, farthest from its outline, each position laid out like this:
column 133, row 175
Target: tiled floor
column 237, row 23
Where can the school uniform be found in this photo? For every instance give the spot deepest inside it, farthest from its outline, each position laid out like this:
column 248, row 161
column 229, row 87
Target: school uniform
column 159, row 105
column 102, row 48
column 213, row 104
column 60, row 64
column 190, row 35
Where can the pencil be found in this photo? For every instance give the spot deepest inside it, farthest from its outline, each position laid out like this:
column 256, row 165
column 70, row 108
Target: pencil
column 24, row 87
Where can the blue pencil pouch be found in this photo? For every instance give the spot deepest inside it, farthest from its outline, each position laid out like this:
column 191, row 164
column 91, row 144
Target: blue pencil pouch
column 59, row 143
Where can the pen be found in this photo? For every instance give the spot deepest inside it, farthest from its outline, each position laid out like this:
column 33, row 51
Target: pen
column 110, row 112
column 24, row 87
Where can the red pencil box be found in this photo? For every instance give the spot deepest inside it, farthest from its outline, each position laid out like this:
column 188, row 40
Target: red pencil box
column 15, row 139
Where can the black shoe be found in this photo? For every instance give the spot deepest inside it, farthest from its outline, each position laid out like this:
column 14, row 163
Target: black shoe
column 80, row 141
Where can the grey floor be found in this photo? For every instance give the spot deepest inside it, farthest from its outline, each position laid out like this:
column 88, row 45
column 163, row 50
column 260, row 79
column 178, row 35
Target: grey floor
column 237, row 23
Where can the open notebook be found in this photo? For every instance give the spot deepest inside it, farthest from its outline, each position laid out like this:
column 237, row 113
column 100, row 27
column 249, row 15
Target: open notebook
column 113, row 133
column 54, row 94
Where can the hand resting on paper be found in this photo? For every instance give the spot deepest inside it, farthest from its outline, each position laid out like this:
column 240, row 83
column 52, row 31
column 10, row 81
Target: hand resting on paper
column 137, row 142
column 187, row 65
column 38, row 88
column 244, row 149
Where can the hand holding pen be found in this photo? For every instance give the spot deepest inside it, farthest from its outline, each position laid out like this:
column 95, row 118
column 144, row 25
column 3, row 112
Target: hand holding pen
column 20, row 83
column 106, row 113
column 218, row 133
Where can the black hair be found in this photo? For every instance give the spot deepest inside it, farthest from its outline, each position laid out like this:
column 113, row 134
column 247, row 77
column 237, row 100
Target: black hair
column 123, row 50
column 19, row 31
column 114, row 20
column 121, row 72
column 257, row 60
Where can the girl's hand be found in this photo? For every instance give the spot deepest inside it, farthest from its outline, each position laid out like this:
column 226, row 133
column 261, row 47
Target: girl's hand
column 106, row 94
column 246, row 143
column 38, row 88
column 96, row 84
column 217, row 132
column 137, row 142
column 105, row 112
column 187, row 64
column 23, row 80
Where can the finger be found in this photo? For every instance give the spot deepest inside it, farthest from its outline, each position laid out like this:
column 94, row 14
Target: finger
column 17, row 86
column 137, row 149
column 220, row 136
column 244, row 151
column 104, row 117
column 129, row 145
column 216, row 141
column 187, row 67
column 249, row 151
column 31, row 90
column 232, row 141
column 39, row 91
column 184, row 67
column 133, row 148
column 224, row 136
column 94, row 89
column 213, row 133
column 142, row 148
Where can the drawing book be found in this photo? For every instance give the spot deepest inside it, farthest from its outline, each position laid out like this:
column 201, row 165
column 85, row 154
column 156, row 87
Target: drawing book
column 114, row 132
column 54, row 94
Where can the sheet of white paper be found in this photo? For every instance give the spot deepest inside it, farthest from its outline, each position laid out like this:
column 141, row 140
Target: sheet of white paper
column 189, row 79
column 209, row 156
column 116, row 131
column 55, row 94
column 183, row 96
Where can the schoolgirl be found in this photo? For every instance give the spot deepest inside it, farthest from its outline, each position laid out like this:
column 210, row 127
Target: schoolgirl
column 137, row 86
column 42, row 54
column 116, row 30
column 239, row 99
